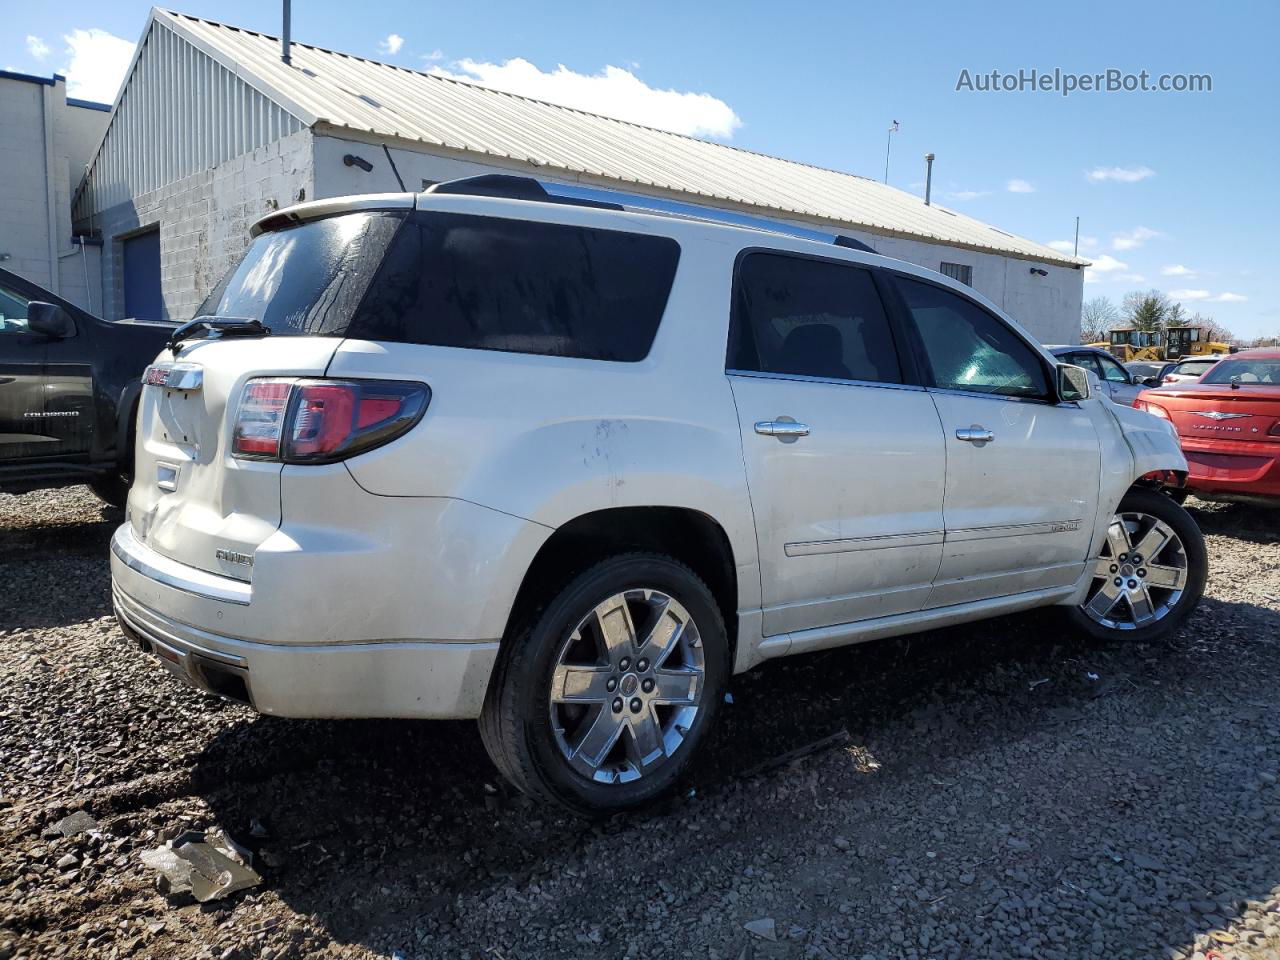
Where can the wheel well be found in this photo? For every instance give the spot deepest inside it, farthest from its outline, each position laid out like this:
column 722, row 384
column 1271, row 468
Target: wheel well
column 689, row 536
column 1162, row 478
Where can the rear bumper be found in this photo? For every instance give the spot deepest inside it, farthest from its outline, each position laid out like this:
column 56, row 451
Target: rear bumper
column 390, row 679
column 395, row 614
column 1240, row 470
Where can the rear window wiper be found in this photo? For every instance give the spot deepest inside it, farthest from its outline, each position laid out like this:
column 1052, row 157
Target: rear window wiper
column 214, row 327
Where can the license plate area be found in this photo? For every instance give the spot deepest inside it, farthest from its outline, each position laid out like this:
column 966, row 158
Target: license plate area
column 181, row 418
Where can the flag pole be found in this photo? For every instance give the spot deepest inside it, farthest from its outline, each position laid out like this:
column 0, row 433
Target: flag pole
column 888, row 142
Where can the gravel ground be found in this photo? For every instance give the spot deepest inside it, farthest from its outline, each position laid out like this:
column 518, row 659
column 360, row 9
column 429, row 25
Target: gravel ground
column 1006, row 789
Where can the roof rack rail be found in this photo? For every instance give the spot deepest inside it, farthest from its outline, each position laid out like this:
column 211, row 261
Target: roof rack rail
column 516, row 187
column 512, row 187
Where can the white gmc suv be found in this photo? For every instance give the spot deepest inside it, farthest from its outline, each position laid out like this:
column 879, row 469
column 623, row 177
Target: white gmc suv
column 564, row 467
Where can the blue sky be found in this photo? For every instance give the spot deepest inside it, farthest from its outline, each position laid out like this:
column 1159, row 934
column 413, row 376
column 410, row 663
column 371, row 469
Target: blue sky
column 1183, row 195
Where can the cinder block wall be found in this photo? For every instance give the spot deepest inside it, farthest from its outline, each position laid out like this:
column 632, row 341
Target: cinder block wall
column 204, row 221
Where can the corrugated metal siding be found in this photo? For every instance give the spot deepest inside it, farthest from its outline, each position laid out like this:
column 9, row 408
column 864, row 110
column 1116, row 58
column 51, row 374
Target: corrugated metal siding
column 371, row 97
column 180, row 112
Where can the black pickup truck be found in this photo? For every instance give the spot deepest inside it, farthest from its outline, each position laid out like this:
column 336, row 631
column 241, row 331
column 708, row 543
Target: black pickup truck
column 69, row 384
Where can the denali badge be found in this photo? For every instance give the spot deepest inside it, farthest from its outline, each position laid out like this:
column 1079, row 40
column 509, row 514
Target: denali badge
column 1214, row 415
column 1066, row 526
column 233, row 556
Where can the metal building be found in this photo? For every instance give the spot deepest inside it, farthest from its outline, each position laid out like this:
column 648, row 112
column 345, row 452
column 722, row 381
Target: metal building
column 213, row 128
column 48, row 139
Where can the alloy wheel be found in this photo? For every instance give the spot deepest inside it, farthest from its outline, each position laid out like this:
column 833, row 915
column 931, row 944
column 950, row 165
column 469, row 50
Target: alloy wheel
column 1140, row 576
column 626, row 686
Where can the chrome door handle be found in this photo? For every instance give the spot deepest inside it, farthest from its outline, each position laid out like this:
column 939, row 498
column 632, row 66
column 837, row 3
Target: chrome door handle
column 975, row 434
column 786, row 430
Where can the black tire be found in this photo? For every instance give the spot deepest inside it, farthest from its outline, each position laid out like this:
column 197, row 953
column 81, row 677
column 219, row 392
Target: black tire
column 111, row 489
column 516, row 721
column 1177, row 494
column 1158, row 505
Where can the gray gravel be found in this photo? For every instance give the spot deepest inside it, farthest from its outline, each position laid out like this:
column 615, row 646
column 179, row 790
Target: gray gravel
column 993, row 798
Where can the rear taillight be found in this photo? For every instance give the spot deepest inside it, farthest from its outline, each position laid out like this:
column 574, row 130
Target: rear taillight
column 1154, row 409
column 260, row 419
column 320, row 421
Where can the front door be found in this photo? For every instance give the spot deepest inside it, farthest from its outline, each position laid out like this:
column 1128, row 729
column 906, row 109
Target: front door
column 23, row 433
column 844, row 460
column 1022, row 469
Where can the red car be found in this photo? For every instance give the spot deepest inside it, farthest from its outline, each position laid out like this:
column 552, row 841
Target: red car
column 1229, row 425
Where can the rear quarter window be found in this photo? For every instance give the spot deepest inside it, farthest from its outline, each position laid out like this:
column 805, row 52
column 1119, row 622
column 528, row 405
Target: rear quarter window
column 486, row 283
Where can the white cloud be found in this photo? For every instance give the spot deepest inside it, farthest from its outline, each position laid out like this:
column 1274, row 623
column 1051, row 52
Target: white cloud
column 435, row 56
column 37, row 47
column 613, row 92
column 392, row 44
column 1107, row 264
column 1019, row 186
column 1177, row 270
column 1229, row 297
column 1067, row 246
column 1119, row 174
column 1189, row 294
column 1133, row 238
column 959, row 196
column 98, row 64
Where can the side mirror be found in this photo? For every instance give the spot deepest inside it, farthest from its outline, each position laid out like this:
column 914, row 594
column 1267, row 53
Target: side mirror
column 1151, row 381
column 50, row 320
column 1073, row 383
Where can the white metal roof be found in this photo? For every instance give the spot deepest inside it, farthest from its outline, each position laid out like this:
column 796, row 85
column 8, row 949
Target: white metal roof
column 326, row 89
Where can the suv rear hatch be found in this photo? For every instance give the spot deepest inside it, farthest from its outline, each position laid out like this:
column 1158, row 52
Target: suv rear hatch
column 193, row 500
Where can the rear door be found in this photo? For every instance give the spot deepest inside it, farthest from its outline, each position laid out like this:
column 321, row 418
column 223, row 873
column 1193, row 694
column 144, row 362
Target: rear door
column 844, row 456
column 1022, row 470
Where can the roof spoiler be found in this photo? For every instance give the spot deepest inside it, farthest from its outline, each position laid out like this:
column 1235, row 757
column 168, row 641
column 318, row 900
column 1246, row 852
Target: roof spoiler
column 511, row 187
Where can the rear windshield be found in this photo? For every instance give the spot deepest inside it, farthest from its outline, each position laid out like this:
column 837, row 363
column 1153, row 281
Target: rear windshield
column 307, row 279
column 1245, row 371
column 1193, row 368
column 457, row 281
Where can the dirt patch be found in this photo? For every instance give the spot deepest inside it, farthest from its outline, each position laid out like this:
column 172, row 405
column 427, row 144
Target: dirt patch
column 1006, row 789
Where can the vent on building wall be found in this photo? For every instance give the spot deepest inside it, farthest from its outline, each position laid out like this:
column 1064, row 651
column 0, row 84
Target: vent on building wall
column 958, row 271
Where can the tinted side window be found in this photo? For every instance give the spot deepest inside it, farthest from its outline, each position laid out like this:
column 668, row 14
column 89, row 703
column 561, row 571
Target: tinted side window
column 1087, row 360
column 453, row 280
column 1111, row 370
column 13, row 311
column 968, row 348
column 810, row 317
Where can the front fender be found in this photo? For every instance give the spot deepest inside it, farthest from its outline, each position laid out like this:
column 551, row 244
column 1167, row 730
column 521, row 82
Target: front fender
column 1153, row 441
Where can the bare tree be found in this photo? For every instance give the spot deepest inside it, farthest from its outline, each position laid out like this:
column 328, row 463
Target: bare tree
column 1097, row 317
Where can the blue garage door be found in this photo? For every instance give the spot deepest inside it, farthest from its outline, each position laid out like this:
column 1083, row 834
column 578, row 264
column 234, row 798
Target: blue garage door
column 142, row 297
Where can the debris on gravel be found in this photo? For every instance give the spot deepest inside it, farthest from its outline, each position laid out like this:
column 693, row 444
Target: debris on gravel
column 982, row 798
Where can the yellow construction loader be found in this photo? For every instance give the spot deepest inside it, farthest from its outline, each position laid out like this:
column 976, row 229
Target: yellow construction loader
column 1189, row 341
column 1129, row 343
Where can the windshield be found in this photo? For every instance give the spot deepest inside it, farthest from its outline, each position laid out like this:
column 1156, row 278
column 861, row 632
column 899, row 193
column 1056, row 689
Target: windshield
column 306, row 279
column 1245, row 371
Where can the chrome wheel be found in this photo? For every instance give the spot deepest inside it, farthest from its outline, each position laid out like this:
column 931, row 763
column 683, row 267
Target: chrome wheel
column 626, row 686
column 1140, row 576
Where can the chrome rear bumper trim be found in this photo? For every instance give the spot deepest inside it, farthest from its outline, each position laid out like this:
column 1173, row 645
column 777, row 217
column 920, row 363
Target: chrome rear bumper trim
column 136, row 555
